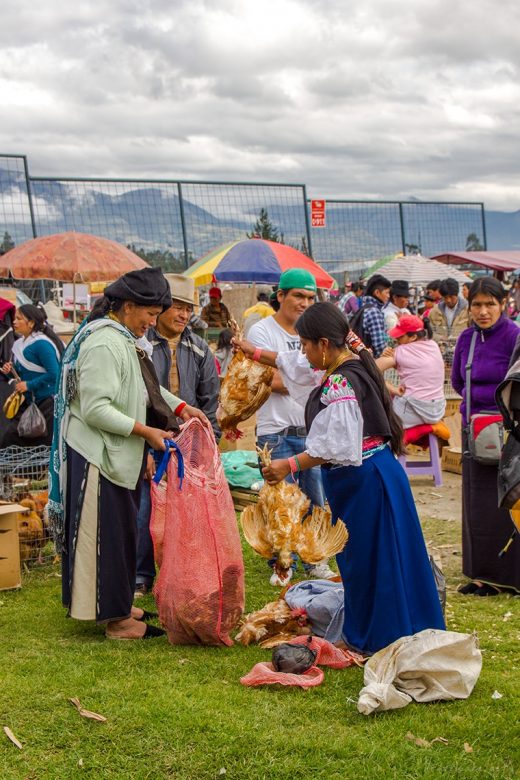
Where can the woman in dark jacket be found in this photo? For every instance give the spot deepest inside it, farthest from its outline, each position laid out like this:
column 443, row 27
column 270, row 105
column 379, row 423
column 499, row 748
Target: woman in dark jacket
column 485, row 527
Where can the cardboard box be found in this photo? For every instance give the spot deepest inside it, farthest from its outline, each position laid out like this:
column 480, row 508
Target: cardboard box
column 9, row 547
column 452, row 460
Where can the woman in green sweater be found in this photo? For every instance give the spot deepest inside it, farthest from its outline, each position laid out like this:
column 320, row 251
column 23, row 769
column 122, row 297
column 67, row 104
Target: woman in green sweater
column 108, row 407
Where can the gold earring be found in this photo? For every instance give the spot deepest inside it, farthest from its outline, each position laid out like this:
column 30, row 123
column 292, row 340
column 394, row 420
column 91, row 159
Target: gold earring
column 323, row 359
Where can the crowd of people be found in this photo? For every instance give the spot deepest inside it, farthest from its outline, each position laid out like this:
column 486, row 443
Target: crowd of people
column 136, row 369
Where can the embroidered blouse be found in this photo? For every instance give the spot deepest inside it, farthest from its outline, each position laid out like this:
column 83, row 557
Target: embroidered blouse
column 336, row 433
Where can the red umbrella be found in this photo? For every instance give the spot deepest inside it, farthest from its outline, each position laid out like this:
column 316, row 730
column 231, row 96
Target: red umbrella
column 70, row 257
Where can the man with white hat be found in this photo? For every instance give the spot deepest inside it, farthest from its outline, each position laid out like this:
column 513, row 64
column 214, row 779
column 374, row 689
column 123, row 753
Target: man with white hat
column 182, row 360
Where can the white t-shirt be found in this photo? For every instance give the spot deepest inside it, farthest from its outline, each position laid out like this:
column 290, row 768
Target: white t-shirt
column 279, row 411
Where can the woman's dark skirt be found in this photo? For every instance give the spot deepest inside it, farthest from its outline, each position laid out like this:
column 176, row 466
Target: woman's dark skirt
column 486, row 528
column 389, row 587
column 99, row 565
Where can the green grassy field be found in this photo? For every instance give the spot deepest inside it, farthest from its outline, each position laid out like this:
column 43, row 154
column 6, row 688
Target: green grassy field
column 180, row 712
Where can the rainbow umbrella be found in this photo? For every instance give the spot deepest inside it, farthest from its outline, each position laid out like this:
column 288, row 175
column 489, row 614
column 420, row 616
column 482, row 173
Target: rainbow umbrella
column 254, row 260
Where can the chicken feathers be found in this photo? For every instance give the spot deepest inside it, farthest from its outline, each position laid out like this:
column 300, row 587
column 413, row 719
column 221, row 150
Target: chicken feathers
column 246, row 386
column 277, row 523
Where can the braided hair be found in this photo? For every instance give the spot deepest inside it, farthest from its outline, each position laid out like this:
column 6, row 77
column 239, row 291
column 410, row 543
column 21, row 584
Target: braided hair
column 325, row 320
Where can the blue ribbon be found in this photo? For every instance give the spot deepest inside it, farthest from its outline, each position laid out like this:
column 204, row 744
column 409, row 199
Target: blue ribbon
column 163, row 458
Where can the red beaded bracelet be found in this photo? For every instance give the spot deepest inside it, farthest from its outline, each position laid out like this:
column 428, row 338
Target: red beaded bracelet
column 257, row 354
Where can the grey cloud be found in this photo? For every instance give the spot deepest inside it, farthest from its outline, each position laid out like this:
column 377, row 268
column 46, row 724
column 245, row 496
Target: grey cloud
column 379, row 98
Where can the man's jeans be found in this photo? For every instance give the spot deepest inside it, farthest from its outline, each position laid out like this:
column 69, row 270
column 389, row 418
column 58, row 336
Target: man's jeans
column 309, row 480
column 145, row 557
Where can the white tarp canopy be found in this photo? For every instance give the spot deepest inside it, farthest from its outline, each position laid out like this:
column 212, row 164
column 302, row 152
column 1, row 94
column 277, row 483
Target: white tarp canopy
column 417, row 269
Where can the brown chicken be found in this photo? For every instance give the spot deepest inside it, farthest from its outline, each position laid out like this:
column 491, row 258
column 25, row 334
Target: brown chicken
column 273, row 624
column 246, row 386
column 277, row 523
column 31, row 533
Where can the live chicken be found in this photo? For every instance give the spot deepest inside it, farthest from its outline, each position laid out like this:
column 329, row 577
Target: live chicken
column 246, row 386
column 279, row 524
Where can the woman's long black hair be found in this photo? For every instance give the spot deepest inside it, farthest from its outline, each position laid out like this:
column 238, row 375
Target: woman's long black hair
column 326, row 321
column 39, row 316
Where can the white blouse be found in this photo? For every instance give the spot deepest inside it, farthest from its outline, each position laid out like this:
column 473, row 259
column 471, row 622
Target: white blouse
column 336, row 433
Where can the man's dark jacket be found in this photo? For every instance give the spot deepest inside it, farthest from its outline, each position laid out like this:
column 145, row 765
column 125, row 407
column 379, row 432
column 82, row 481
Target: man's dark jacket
column 198, row 379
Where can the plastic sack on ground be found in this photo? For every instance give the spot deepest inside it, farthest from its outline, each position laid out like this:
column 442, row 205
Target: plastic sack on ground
column 431, row 665
column 241, row 468
column 327, row 655
column 200, row 587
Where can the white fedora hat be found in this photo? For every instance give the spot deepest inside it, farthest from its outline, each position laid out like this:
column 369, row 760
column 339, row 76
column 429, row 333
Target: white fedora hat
column 182, row 288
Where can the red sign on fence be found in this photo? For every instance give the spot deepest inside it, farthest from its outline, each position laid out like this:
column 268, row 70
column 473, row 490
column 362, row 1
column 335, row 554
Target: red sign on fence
column 318, row 213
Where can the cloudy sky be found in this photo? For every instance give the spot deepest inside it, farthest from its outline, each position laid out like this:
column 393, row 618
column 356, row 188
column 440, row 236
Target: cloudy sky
column 355, row 98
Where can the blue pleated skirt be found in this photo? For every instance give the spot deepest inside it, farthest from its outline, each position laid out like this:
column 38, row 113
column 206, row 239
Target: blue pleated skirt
column 389, row 587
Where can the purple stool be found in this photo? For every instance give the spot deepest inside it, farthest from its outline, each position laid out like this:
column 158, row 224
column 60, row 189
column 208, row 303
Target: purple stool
column 430, row 467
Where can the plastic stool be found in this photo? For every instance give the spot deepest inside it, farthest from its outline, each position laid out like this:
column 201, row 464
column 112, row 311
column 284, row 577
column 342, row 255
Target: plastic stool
column 431, row 467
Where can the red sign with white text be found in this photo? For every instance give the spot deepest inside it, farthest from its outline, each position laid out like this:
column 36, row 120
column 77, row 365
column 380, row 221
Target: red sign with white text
column 318, row 213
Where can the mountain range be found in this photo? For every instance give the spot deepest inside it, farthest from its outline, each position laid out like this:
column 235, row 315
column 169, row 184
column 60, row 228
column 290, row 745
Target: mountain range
column 149, row 216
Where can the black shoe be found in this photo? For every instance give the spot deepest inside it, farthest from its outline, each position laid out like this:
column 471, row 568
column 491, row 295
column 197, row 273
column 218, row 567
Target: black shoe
column 148, row 615
column 486, row 590
column 469, row 588
column 152, row 631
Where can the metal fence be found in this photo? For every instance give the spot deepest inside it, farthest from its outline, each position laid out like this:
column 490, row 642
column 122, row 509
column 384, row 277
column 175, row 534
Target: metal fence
column 173, row 223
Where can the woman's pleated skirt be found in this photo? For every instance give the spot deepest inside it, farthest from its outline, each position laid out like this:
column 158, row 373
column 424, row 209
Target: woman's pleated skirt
column 390, row 591
column 99, row 565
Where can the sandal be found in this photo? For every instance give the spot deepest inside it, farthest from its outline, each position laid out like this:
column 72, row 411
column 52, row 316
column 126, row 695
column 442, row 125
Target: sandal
column 468, row 588
column 147, row 615
column 150, row 633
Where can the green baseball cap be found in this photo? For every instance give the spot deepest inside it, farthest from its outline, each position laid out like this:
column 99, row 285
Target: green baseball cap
column 297, row 277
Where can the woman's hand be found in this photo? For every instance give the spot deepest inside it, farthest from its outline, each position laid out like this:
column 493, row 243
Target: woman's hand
column 191, row 411
column 277, row 471
column 246, row 346
column 155, row 437
column 21, row 387
column 150, row 468
column 387, row 352
column 6, row 368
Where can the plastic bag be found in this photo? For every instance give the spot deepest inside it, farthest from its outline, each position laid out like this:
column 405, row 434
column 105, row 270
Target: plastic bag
column 440, row 583
column 32, row 423
column 200, row 587
column 241, row 468
column 293, row 658
column 431, row 665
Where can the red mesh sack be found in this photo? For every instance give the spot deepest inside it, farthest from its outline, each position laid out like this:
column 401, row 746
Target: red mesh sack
column 328, row 655
column 265, row 674
column 200, row 586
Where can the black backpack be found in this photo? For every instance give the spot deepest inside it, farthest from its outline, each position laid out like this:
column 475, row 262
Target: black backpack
column 356, row 324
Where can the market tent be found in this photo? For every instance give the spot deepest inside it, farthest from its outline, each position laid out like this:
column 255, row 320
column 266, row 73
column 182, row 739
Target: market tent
column 508, row 260
column 416, row 269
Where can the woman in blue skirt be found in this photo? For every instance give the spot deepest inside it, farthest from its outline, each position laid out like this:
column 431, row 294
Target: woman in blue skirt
column 354, row 434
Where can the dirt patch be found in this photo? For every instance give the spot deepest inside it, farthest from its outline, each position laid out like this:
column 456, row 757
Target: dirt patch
column 442, row 503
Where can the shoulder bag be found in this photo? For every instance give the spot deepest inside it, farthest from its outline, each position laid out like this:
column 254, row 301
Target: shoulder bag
column 485, row 430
